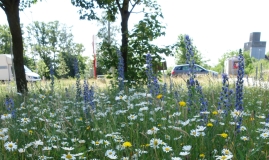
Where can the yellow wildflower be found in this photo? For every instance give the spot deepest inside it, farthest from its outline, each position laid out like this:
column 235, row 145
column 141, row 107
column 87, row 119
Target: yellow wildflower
column 159, row 96
column 224, row 135
column 215, row 112
column 202, row 155
column 209, row 124
column 182, row 104
column 127, row 144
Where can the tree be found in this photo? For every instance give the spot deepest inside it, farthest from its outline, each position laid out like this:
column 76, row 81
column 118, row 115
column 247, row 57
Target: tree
column 53, row 42
column 62, row 68
column 141, row 42
column 107, row 46
column 181, row 53
column 11, row 9
column 5, row 40
column 113, row 7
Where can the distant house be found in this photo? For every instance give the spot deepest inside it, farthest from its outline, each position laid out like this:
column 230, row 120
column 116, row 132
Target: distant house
column 255, row 46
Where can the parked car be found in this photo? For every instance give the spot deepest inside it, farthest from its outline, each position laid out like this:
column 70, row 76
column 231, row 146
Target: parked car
column 185, row 69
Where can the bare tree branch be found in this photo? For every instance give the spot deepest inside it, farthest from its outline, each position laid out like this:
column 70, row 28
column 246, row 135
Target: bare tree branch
column 142, row 12
column 134, row 5
column 131, row 2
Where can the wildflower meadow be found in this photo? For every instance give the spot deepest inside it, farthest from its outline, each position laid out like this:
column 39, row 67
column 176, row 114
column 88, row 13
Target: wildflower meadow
column 188, row 118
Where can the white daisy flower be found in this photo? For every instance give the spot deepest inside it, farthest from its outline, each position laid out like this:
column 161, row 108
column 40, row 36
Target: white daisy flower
column 186, row 148
column 154, row 143
column 167, row 149
column 10, row 146
column 110, row 153
column 132, row 117
column 226, row 152
column 6, row 116
column 184, row 153
column 224, row 157
column 68, row 156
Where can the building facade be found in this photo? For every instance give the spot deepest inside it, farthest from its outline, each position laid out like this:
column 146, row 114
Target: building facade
column 255, row 46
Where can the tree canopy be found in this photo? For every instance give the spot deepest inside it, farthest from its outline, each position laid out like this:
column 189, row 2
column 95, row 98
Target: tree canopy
column 124, row 9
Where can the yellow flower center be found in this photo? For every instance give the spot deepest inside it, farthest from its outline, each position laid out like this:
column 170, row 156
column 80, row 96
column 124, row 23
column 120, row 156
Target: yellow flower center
column 223, row 157
column 30, row 132
column 69, row 156
column 167, row 149
column 10, row 145
column 155, row 142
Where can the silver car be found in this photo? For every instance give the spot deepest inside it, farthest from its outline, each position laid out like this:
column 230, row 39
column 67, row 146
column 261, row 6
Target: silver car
column 185, row 69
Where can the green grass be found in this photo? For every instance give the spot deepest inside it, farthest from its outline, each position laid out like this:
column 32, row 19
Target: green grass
column 57, row 121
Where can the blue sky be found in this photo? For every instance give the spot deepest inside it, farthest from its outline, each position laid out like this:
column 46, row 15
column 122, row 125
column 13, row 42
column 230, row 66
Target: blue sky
column 216, row 26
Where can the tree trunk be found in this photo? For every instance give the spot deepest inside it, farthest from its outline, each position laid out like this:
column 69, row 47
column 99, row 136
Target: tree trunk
column 12, row 12
column 124, row 31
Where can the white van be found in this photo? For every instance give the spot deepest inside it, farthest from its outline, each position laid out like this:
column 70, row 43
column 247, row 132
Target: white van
column 6, row 70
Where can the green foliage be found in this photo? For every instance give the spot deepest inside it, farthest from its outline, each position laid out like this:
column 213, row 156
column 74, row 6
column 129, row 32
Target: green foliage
column 53, row 43
column 5, row 39
column 140, row 43
column 42, row 68
column 181, row 51
column 151, row 11
column 29, row 62
column 62, row 69
column 249, row 63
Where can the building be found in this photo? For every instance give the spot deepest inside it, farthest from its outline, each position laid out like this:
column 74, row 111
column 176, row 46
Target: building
column 255, row 46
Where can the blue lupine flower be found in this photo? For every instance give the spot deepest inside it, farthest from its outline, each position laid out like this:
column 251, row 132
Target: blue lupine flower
column 76, row 68
column 149, row 72
column 9, row 103
column 164, row 88
column 85, row 96
column 91, row 98
column 52, row 77
column 239, row 88
column 225, row 95
column 120, row 70
column 152, row 81
column 193, row 85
